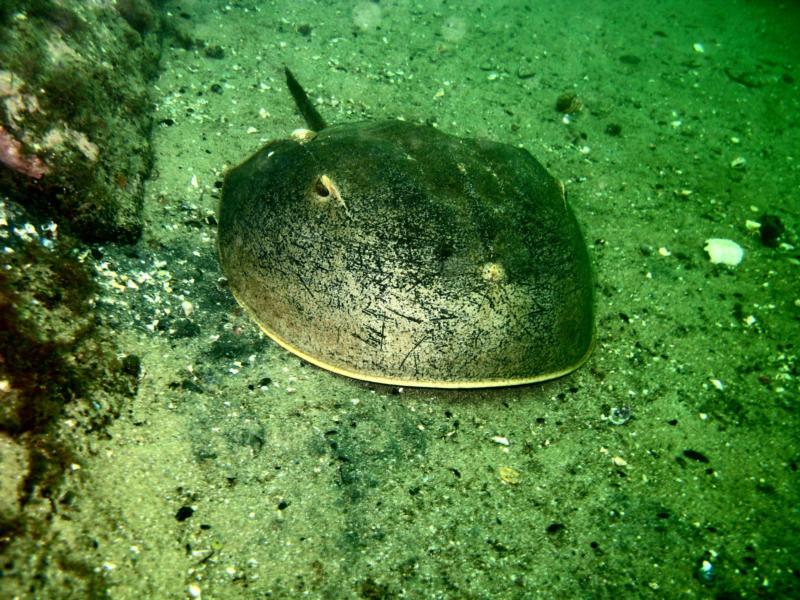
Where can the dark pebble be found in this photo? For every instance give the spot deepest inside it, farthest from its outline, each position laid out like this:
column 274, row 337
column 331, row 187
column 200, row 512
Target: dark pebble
column 214, row 52
column 630, row 59
column 184, row 512
column 695, row 455
column 568, row 103
column 525, row 72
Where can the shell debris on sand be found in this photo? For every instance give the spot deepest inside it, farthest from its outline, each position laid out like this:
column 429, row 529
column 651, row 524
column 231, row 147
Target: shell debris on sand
column 724, row 251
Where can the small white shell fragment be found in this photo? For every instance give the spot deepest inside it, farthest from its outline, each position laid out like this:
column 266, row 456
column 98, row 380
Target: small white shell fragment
column 738, row 162
column 663, row 251
column 303, row 135
column 698, row 47
column 717, row 384
column 619, row 461
column 187, row 308
column 194, row 182
column 752, row 225
column 252, row 130
column 499, row 439
column 722, row 251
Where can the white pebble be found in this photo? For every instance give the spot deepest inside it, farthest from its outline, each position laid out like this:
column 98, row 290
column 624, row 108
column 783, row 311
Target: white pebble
column 722, row 251
column 739, row 162
column 751, row 225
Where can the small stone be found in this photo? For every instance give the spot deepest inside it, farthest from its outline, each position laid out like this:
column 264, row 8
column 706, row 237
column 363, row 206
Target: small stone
column 509, row 475
column 568, row 103
column 524, row 72
column 184, row 512
column 216, row 52
column 739, row 162
column 724, row 251
column 751, row 225
column 619, row 415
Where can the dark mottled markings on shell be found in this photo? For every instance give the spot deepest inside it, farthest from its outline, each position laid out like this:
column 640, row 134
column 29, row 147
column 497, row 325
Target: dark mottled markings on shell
column 395, row 253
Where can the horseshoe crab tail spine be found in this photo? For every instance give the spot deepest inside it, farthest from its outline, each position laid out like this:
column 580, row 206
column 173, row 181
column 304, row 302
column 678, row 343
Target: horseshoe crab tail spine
column 313, row 119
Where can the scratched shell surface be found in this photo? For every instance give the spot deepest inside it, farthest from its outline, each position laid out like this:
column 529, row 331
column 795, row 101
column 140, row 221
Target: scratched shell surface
column 395, row 253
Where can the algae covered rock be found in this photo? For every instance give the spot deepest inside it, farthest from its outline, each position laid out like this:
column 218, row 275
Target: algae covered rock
column 75, row 112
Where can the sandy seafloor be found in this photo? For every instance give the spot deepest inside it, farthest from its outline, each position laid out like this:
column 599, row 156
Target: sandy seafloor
column 239, row 472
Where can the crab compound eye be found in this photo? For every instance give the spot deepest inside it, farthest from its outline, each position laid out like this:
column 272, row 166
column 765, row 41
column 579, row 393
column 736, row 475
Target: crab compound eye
column 324, row 191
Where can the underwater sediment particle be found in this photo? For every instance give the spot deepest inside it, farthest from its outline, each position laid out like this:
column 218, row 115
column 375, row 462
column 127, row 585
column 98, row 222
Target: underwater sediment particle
column 724, row 251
